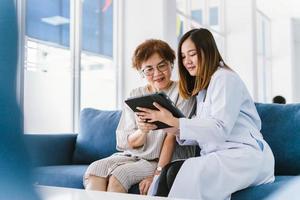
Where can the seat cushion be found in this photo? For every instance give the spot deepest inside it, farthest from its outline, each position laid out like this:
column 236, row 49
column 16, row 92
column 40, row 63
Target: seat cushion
column 97, row 135
column 290, row 191
column 262, row 191
column 66, row 176
column 60, row 175
column 281, row 129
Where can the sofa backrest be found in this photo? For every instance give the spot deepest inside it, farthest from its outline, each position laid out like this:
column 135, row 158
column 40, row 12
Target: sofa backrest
column 281, row 129
column 96, row 138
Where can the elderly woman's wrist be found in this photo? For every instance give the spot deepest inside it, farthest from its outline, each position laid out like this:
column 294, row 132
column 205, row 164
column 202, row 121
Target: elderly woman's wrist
column 144, row 132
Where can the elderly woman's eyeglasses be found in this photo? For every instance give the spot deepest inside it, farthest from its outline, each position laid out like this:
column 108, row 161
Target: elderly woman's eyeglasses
column 162, row 67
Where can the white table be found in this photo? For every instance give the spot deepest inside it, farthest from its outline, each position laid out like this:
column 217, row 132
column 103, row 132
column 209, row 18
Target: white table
column 60, row 193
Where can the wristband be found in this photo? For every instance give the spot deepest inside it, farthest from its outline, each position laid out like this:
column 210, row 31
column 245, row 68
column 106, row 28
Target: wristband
column 158, row 169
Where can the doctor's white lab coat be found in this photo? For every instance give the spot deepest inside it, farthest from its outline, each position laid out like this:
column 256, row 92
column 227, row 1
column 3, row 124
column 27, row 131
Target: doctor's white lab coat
column 234, row 154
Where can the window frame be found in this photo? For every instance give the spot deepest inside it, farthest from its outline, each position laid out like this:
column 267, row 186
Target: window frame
column 265, row 84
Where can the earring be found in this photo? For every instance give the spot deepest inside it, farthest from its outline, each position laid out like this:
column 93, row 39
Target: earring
column 141, row 74
column 221, row 63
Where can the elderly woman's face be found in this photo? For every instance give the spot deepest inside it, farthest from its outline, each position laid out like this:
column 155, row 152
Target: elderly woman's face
column 157, row 71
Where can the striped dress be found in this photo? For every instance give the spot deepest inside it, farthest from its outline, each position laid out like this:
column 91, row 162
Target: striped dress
column 130, row 166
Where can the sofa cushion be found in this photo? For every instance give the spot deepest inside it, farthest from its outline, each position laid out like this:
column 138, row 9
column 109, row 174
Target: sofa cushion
column 42, row 152
column 262, row 191
column 281, row 129
column 289, row 191
column 66, row 176
column 60, row 175
column 97, row 137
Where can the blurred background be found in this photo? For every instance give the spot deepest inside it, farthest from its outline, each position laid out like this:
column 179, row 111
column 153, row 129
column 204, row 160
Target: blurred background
column 77, row 53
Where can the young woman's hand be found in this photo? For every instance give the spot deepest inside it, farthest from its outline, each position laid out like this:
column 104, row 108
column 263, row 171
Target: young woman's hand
column 143, row 125
column 162, row 115
column 144, row 185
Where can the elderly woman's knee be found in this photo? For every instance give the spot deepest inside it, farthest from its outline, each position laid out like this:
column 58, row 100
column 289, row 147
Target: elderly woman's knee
column 92, row 182
column 114, row 185
column 113, row 180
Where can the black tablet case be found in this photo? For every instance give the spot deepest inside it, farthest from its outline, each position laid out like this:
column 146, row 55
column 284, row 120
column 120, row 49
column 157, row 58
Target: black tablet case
column 147, row 102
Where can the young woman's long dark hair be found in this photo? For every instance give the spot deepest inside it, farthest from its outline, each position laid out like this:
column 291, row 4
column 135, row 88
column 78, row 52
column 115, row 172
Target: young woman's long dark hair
column 209, row 60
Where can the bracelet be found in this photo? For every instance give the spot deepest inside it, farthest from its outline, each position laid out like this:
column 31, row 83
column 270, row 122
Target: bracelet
column 158, row 169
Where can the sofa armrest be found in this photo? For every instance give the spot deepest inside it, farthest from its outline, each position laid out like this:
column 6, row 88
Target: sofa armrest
column 50, row 149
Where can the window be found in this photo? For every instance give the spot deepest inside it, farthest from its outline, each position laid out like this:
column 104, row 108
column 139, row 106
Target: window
column 214, row 16
column 98, row 75
column 57, row 79
column 47, row 67
column 197, row 11
column 201, row 13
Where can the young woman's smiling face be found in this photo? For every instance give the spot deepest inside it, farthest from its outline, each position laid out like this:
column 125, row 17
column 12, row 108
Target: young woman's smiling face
column 189, row 56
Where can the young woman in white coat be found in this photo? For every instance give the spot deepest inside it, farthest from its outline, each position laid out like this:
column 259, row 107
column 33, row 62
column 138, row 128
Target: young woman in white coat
column 226, row 127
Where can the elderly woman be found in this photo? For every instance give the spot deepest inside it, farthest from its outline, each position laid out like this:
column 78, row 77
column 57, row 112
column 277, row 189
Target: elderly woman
column 144, row 150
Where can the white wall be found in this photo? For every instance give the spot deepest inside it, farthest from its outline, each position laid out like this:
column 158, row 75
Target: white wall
column 296, row 59
column 240, row 40
column 144, row 19
column 282, row 58
column 285, row 46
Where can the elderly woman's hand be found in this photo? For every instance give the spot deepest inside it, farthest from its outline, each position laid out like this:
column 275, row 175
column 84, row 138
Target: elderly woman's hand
column 143, row 125
column 144, row 185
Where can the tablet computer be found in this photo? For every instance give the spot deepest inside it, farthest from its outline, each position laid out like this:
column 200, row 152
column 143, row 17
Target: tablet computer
column 147, row 102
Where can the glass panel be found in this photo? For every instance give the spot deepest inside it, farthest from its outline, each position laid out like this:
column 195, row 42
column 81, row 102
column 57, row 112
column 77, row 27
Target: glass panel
column 48, row 21
column 47, row 69
column 97, row 30
column 197, row 11
column 179, row 26
column 213, row 16
column 182, row 6
column 98, row 75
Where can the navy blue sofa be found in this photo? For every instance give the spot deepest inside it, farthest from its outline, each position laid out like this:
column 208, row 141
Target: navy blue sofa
column 61, row 159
